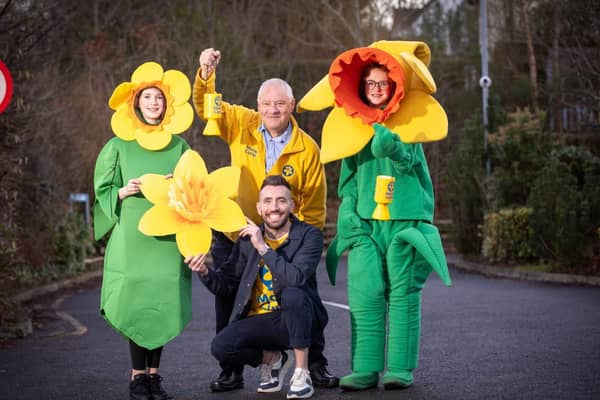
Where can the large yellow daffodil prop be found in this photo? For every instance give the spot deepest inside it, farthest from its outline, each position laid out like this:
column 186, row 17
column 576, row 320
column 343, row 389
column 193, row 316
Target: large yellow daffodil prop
column 191, row 203
column 178, row 114
column 412, row 112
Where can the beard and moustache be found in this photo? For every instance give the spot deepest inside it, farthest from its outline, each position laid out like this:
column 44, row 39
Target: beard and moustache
column 279, row 225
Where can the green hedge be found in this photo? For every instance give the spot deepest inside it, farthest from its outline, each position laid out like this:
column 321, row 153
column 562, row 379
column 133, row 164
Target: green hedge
column 73, row 242
column 466, row 188
column 541, row 201
column 508, row 235
column 565, row 198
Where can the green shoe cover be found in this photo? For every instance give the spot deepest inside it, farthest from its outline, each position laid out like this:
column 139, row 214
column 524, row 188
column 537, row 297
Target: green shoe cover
column 359, row 381
column 397, row 380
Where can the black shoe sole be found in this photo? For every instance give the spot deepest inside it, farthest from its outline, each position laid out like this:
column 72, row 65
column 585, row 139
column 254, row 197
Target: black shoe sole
column 219, row 389
column 326, row 385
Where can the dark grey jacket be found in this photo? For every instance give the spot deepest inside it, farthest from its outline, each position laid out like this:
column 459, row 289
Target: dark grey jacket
column 293, row 264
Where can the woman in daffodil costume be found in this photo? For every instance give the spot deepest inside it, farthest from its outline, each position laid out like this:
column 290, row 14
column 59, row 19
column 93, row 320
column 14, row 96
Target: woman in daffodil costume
column 146, row 289
column 382, row 111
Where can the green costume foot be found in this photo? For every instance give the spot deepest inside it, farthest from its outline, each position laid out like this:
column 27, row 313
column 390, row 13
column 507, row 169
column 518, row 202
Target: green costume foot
column 359, row 381
column 397, row 380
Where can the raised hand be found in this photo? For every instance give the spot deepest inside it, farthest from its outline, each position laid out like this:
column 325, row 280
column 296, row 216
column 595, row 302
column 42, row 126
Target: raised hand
column 209, row 58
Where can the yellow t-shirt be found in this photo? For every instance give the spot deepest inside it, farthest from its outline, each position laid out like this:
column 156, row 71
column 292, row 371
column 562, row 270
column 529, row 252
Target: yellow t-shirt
column 263, row 297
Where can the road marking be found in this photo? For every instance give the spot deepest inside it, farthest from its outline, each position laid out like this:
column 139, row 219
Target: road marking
column 78, row 328
column 338, row 305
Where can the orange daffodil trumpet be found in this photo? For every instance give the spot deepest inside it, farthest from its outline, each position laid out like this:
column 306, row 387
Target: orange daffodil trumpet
column 178, row 115
column 412, row 113
column 344, row 79
column 191, row 203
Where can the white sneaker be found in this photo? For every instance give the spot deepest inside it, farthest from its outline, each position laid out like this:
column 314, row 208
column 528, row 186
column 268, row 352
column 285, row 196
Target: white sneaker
column 272, row 375
column 300, row 385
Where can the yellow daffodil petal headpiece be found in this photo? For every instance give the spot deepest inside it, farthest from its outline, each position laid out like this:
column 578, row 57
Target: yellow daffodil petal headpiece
column 191, row 203
column 178, row 114
column 415, row 115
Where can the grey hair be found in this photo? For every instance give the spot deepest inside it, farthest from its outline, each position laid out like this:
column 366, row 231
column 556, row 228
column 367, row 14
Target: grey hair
column 286, row 86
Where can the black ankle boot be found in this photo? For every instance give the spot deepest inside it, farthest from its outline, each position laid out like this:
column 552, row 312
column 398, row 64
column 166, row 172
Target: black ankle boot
column 139, row 388
column 229, row 379
column 156, row 389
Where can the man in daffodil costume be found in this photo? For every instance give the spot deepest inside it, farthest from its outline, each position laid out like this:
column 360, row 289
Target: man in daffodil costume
column 146, row 290
column 382, row 111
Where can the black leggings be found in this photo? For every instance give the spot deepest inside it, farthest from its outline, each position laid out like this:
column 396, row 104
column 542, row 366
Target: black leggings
column 142, row 358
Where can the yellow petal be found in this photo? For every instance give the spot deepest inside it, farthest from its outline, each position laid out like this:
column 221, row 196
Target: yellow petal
column 421, row 71
column 122, row 125
column 190, row 166
column 226, row 216
column 224, row 181
column 194, row 238
column 147, row 72
column 396, row 47
column 343, row 136
column 156, row 188
column 420, row 119
column 179, row 86
column 121, row 94
column 183, row 118
column 317, row 98
column 160, row 220
column 155, row 140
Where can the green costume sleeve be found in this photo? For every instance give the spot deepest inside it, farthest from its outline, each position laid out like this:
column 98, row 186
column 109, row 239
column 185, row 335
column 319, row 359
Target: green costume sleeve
column 107, row 182
column 349, row 224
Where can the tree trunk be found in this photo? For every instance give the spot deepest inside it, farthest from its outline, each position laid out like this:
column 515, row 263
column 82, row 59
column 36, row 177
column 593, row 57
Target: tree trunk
column 531, row 57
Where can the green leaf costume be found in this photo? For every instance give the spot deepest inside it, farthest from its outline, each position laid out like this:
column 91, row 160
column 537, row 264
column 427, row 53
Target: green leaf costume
column 146, row 287
column 388, row 261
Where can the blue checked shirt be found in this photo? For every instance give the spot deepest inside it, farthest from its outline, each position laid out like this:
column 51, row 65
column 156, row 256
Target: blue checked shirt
column 274, row 146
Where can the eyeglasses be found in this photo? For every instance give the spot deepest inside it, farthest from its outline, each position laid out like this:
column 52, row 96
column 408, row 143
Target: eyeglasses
column 381, row 85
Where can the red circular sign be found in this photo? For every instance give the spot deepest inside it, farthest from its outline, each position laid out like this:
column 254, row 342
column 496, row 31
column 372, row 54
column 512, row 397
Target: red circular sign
column 6, row 87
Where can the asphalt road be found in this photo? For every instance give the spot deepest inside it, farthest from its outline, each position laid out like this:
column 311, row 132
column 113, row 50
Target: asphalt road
column 481, row 339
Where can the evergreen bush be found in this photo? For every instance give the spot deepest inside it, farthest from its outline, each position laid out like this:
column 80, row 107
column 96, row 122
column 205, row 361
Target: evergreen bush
column 508, row 236
column 565, row 198
column 518, row 150
column 466, row 191
column 73, row 243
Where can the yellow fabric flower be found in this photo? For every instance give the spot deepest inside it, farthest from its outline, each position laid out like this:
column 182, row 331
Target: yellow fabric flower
column 413, row 114
column 178, row 114
column 191, row 203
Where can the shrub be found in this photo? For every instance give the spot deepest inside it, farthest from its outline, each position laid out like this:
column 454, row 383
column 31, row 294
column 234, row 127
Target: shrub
column 508, row 236
column 466, row 191
column 73, row 243
column 565, row 198
column 518, row 151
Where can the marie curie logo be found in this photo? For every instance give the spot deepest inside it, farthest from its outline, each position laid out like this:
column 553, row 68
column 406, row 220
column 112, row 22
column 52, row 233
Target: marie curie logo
column 6, row 87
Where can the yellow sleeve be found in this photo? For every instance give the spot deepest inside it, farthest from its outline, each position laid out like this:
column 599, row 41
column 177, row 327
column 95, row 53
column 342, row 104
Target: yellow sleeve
column 312, row 209
column 201, row 87
column 233, row 117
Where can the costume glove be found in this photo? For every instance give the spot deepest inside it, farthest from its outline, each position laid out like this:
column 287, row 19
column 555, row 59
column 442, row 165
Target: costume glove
column 386, row 143
column 349, row 223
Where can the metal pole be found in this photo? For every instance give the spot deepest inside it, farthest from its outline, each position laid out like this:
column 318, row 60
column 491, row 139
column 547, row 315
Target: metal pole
column 485, row 82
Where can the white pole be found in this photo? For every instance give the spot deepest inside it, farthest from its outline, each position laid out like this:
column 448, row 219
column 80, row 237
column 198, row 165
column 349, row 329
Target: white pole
column 485, row 82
